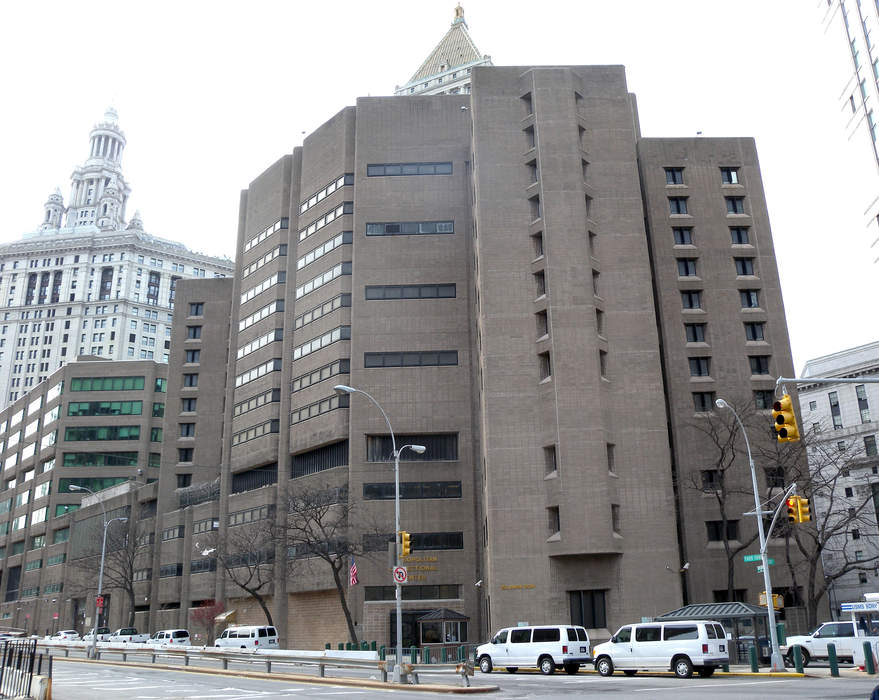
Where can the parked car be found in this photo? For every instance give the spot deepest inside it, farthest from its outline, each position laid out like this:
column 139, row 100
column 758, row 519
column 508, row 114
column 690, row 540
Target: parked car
column 681, row 646
column 843, row 635
column 128, row 635
column 164, row 638
column 546, row 647
column 103, row 635
column 66, row 636
column 248, row 637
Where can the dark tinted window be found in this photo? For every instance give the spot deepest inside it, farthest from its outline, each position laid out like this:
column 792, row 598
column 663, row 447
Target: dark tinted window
column 572, row 634
column 581, row 635
column 647, row 634
column 624, row 635
column 721, row 633
column 711, row 632
column 681, row 632
column 263, row 632
column 500, row 637
column 180, row 633
column 547, row 634
column 522, row 636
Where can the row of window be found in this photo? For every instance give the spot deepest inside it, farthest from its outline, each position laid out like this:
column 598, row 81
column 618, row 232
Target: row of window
column 322, row 341
column 254, row 432
column 739, row 235
column 728, row 176
column 744, row 267
column 410, row 291
column 275, row 252
column 692, row 299
column 258, row 315
column 250, row 375
column 254, row 345
column 394, row 169
column 324, row 192
column 323, row 249
column 281, row 223
column 409, row 228
column 268, row 283
column 254, row 402
column 321, row 310
column 428, row 358
column 678, row 205
column 695, row 332
column 328, row 218
column 343, row 268
column 320, row 374
column 326, row 405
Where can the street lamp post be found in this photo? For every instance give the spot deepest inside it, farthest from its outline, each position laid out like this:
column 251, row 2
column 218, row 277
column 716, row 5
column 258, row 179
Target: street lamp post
column 418, row 449
column 94, row 645
column 776, row 661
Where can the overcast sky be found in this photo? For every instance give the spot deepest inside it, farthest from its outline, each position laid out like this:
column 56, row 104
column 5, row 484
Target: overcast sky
column 211, row 93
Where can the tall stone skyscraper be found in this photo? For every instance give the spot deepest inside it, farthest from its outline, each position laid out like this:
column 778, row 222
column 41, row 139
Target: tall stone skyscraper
column 88, row 282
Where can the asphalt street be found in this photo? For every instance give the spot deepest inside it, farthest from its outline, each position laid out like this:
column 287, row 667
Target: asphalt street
column 77, row 681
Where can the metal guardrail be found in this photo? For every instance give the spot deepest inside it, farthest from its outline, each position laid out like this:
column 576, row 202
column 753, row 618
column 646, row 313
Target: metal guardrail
column 321, row 660
column 17, row 667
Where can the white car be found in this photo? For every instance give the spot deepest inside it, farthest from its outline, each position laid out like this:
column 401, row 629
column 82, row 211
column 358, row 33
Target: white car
column 843, row 635
column 128, row 635
column 66, row 636
column 546, row 647
column 681, row 646
column 103, row 635
column 168, row 638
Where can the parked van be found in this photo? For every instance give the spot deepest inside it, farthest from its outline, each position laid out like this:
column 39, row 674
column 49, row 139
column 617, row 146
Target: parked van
column 170, row 638
column 248, row 637
column 546, row 647
column 681, row 646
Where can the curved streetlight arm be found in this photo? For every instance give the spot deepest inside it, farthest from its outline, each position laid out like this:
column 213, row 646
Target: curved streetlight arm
column 74, row 487
column 351, row 390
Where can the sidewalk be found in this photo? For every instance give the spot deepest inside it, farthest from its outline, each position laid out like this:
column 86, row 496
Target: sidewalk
column 808, row 672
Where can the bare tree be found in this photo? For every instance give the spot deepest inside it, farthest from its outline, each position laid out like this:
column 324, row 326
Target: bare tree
column 723, row 479
column 247, row 554
column 129, row 546
column 318, row 527
column 823, row 551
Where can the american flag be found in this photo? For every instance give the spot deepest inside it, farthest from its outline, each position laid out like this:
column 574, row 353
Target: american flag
column 354, row 580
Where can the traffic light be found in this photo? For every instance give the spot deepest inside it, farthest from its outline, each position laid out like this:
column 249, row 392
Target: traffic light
column 804, row 514
column 792, row 510
column 784, row 420
column 405, row 545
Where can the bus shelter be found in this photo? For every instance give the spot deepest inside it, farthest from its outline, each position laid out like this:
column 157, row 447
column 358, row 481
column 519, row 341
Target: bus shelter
column 748, row 625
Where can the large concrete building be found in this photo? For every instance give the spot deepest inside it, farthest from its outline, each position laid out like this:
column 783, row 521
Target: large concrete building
column 842, row 452
column 546, row 301
column 87, row 282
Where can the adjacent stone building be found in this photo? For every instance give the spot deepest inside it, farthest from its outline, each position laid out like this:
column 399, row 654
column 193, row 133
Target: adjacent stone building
column 841, row 435
column 88, row 282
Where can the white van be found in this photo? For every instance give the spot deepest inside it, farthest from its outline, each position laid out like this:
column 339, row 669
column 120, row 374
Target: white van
column 175, row 638
column 248, row 637
column 680, row 646
column 547, row 647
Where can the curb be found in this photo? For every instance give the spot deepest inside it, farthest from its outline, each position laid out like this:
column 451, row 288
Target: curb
column 300, row 678
column 663, row 674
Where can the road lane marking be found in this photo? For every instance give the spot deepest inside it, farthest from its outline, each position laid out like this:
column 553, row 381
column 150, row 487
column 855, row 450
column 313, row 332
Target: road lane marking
column 709, row 685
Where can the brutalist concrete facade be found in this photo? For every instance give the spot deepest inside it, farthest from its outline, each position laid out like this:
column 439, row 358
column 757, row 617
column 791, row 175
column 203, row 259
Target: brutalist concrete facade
column 723, row 334
column 500, row 272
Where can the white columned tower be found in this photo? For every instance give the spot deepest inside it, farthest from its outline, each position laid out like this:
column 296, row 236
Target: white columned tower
column 98, row 191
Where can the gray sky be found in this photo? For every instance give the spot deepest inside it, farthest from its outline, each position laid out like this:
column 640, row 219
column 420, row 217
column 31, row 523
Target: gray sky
column 211, row 93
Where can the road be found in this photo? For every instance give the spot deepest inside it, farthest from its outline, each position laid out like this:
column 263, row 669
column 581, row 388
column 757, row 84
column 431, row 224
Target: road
column 76, row 681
